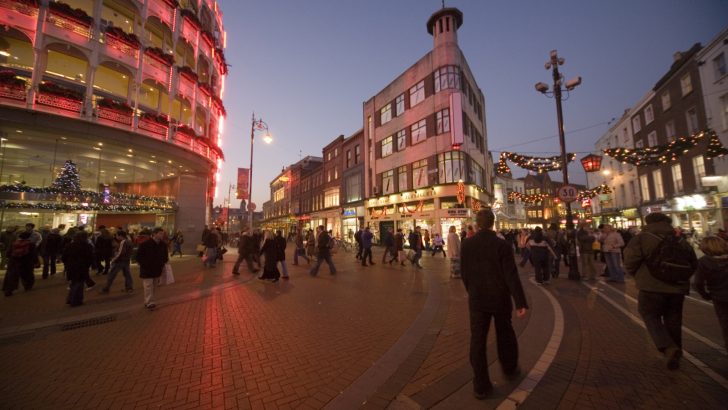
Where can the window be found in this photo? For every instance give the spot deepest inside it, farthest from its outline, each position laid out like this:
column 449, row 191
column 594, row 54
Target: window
column 402, row 178
column 388, row 182
column 724, row 110
column 657, row 178
column 331, row 198
column 632, row 193
column 328, row 176
column 417, row 93
column 348, row 158
column 719, row 66
column 645, row 188
column 677, row 177
column 636, row 124
column 476, row 174
column 447, row 77
column 279, row 194
column 670, row 130
column 639, row 144
column 419, row 174
column 353, row 188
column 692, row 118
column 418, row 131
column 399, row 105
column 625, row 136
column 357, row 154
column 401, row 140
column 387, row 146
column 666, row 101
column 652, row 139
column 686, row 85
column 336, row 173
column 336, row 152
column 443, row 121
column 451, row 166
column 385, row 114
column 649, row 115
column 329, row 156
column 699, row 167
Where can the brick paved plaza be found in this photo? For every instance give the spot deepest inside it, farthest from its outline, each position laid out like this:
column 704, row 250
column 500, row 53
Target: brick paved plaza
column 376, row 337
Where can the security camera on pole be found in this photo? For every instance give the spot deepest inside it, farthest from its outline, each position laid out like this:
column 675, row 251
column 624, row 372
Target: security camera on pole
column 553, row 64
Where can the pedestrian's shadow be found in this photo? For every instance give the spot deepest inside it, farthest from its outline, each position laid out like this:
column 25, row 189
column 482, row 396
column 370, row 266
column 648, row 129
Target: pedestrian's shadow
column 417, row 282
column 269, row 291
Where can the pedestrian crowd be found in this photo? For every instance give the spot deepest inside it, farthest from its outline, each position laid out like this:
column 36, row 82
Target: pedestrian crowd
column 81, row 251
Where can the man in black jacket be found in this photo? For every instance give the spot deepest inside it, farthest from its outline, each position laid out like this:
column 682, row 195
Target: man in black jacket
column 152, row 255
column 491, row 279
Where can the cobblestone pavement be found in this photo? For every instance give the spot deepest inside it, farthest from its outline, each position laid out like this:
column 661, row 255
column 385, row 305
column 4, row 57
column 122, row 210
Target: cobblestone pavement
column 373, row 337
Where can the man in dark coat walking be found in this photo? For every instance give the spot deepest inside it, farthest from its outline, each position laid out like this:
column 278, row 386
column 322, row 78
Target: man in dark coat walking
column 152, row 256
column 491, row 279
column 50, row 250
column 78, row 257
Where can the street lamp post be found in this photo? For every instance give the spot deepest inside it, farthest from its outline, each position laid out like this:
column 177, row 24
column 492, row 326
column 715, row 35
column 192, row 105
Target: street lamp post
column 256, row 124
column 229, row 199
column 553, row 64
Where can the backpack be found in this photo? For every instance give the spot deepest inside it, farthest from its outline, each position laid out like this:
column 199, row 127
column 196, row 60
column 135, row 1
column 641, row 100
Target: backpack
column 672, row 261
column 20, row 248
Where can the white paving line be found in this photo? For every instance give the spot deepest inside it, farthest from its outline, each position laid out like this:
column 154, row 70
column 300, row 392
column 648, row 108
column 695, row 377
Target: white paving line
column 687, row 330
column 521, row 393
column 692, row 359
column 704, row 302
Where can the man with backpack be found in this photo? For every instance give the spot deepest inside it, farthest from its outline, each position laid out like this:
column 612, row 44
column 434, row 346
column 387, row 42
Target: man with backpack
column 662, row 264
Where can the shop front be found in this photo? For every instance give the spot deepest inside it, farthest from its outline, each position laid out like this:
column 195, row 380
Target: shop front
column 330, row 219
column 697, row 213
column 351, row 219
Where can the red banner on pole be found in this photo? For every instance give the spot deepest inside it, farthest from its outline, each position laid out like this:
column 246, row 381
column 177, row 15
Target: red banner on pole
column 243, row 186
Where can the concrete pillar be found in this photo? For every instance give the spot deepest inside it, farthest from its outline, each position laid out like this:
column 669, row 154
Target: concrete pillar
column 192, row 211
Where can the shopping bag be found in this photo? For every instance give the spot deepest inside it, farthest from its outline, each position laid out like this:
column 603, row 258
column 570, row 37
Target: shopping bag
column 167, row 277
column 201, row 248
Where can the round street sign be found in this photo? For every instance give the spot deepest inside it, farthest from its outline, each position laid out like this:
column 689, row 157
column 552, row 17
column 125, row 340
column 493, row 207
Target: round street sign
column 251, row 207
column 568, row 193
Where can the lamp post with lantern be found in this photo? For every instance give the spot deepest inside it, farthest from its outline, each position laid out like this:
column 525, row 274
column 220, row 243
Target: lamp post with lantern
column 256, row 124
column 553, row 64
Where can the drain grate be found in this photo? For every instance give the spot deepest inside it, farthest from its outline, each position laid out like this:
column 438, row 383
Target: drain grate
column 88, row 322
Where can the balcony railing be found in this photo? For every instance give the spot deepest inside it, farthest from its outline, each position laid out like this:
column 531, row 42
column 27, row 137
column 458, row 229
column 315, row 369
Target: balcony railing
column 189, row 31
column 186, row 86
column 58, row 102
column 183, row 139
column 155, row 68
column 163, row 10
column 68, row 27
column 114, row 115
column 153, row 127
column 121, row 49
column 17, row 93
column 18, row 13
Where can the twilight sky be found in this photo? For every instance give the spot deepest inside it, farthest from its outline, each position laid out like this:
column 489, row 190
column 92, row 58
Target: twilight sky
column 306, row 67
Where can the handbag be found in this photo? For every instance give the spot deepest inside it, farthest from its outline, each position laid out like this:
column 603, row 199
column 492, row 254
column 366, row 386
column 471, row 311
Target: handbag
column 200, row 248
column 167, row 277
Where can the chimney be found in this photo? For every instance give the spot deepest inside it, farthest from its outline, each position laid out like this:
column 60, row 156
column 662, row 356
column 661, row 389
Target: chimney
column 677, row 56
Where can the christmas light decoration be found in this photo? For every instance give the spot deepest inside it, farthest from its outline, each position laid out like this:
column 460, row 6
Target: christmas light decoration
column 662, row 154
column 503, row 168
column 591, row 193
column 528, row 199
column 536, row 164
column 68, row 179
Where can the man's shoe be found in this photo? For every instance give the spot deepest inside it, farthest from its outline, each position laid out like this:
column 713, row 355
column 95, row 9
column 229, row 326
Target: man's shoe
column 673, row 354
column 105, row 290
column 371, row 263
column 90, row 288
column 513, row 374
column 150, row 306
column 484, row 394
column 236, row 273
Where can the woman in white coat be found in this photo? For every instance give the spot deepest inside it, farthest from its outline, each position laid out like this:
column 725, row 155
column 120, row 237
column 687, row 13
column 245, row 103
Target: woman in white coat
column 453, row 252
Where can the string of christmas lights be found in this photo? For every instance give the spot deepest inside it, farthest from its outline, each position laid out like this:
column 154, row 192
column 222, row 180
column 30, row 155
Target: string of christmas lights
column 662, row 154
column 527, row 199
column 112, row 198
column 536, row 164
column 591, row 193
column 81, row 207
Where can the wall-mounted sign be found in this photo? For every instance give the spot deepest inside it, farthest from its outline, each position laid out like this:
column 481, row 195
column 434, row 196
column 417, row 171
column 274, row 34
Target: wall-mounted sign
column 458, row 212
column 349, row 212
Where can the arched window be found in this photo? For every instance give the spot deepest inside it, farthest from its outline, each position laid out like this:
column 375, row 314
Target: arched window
column 16, row 50
column 158, row 34
column 154, row 96
column 112, row 79
column 184, row 54
column 182, row 111
column 66, row 62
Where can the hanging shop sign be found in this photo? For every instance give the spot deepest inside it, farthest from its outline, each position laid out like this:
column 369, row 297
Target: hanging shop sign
column 461, row 192
column 349, row 212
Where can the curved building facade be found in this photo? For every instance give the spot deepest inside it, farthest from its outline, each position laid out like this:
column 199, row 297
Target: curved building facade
column 127, row 91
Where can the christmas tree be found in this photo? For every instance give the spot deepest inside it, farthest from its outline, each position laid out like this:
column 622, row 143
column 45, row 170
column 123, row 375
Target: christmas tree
column 68, row 180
